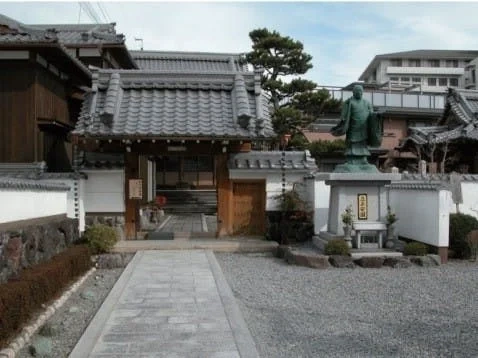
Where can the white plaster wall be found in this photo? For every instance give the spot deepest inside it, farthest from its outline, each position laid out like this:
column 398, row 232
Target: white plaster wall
column 321, row 195
column 273, row 183
column 423, row 214
column 71, row 200
column 104, row 191
column 30, row 204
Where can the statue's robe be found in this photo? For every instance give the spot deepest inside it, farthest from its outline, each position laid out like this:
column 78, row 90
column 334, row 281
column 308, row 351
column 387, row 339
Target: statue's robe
column 361, row 126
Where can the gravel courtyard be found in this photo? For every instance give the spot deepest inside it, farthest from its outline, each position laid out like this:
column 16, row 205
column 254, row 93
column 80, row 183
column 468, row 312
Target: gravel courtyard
column 295, row 311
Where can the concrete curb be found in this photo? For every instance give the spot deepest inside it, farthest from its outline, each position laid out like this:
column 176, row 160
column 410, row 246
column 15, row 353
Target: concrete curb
column 244, row 342
column 92, row 333
column 33, row 326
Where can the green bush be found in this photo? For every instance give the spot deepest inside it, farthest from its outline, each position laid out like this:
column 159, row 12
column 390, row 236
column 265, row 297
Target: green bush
column 415, row 249
column 337, row 247
column 460, row 226
column 101, row 238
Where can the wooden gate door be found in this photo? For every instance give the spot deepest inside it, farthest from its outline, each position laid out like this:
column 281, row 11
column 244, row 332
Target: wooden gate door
column 249, row 208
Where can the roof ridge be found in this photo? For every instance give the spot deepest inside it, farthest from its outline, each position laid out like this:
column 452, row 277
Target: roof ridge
column 180, row 53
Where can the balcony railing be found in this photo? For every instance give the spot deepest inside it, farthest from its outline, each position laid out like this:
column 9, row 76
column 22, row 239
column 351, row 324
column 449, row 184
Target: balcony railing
column 401, row 100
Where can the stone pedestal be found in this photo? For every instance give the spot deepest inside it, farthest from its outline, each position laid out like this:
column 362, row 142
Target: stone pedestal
column 344, row 191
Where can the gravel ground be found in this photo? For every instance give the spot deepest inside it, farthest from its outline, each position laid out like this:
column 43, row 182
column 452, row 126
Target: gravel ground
column 73, row 317
column 295, row 311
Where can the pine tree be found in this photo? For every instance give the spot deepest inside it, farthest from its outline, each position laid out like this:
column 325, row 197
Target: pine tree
column 295, row 103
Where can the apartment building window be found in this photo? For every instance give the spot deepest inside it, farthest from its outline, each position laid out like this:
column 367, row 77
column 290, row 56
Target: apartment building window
column 442, row 82
column 396, row 62
column 434, row 63
column 451, row 63
column 454, row 82
column 405, row 79
column 414, row 63
column 416, row 79
column 393, row 79
column 432, row 81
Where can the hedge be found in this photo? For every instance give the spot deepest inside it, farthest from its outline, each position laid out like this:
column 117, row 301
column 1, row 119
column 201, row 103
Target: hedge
column 23, row 296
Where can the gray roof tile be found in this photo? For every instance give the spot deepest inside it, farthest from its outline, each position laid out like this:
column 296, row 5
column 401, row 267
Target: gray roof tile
column 189, row 61
column 33, row 171
column 81, row 34
column 26, row 184
column 272, row 160
column 459, row 120
column 155, row 103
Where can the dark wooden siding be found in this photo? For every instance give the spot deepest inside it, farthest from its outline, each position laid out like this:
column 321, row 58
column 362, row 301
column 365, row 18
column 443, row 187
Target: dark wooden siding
column 17, row 112
column 51, row 98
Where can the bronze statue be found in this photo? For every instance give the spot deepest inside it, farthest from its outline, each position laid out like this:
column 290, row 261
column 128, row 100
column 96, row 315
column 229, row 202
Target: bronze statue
column 363, row 128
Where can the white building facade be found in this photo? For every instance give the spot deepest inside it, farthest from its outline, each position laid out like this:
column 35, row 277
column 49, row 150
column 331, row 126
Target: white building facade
column 424, row 71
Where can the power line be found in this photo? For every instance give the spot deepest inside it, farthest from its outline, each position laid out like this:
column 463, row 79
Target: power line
column 90, row 11
column 104, row 12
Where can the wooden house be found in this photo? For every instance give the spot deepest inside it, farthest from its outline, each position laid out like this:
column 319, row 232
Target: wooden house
column 43, row 80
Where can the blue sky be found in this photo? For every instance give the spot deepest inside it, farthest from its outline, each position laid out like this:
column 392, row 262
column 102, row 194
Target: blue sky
column 342, row 37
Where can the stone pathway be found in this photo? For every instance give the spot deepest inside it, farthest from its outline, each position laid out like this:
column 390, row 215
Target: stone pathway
column 168, row 304
column 183, row 223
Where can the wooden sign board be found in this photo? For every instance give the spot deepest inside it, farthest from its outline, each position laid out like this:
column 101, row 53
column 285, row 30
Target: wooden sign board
column 362, row 206
column 135, row 189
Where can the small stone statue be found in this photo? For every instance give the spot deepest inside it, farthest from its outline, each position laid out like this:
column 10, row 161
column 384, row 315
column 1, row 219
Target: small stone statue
column 363, row 128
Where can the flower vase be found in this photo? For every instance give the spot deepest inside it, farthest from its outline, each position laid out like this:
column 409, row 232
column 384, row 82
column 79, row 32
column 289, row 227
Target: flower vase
column 347, row 237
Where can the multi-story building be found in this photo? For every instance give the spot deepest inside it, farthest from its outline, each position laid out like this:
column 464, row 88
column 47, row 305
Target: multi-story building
column 470, row 75
column 422, row 71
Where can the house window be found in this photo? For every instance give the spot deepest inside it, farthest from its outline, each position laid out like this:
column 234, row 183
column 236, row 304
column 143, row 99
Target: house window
column 432, row 81
column 434, row 63
column 451, row 63
column 396, row 62
column 414, row 63
column 416, row 79
column 405, row 79
column 473, row 76
column 393, row 79
column 454, row 82
column 442, row 82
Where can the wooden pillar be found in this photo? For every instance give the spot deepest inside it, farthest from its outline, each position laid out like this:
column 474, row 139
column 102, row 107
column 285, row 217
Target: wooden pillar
column 131, row 215
column 224, row 197
column 143, row 174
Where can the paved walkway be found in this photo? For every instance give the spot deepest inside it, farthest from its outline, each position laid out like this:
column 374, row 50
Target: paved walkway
column 168, row 304
column 184, row 222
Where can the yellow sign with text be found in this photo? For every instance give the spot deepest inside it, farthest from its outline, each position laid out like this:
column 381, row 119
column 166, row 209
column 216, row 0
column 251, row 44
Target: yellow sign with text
column 362, row 206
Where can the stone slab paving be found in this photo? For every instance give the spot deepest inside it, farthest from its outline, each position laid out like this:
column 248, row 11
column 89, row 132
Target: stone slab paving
column 183, row 223
column 168, row 304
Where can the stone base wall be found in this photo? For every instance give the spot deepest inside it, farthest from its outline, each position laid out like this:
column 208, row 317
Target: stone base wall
column 115, row 220
column 27, row 245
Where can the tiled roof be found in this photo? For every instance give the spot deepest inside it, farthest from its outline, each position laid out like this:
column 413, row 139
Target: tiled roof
column 437, row 177
column 95, row 160
column 26, row 184
column 418, row 186
column 33, row 171
column 459, row 120
column 189, row 61
column 167, row 104
column 256, row 160
column 13, row 32
column 82, row 34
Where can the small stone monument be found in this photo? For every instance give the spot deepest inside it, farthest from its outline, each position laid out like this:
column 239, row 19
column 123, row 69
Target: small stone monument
column 422, row 168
